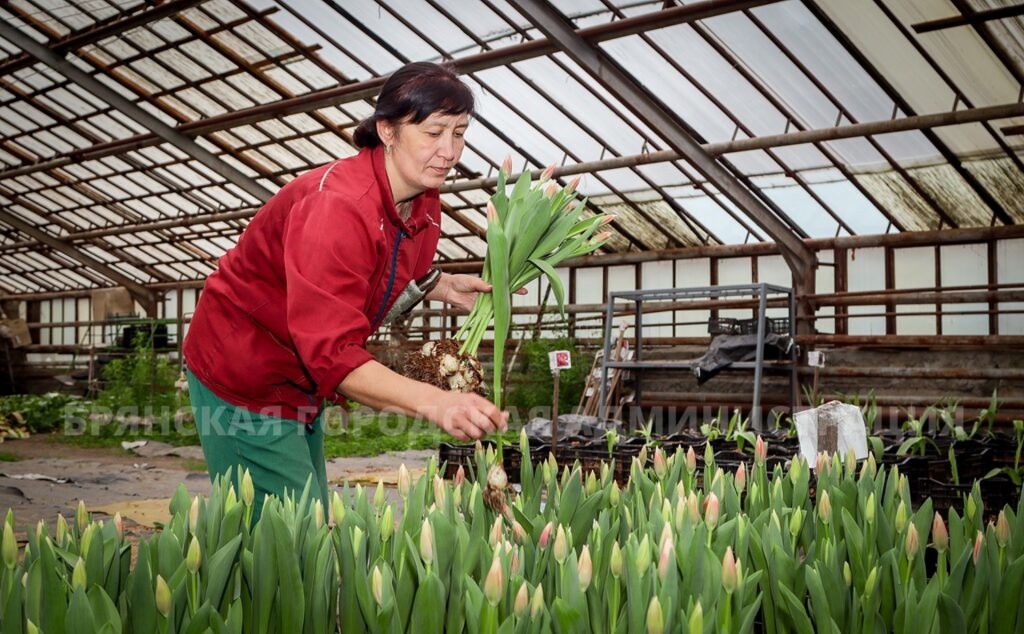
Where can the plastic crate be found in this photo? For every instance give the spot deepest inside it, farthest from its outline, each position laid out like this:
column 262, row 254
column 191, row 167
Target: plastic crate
column 731, row 326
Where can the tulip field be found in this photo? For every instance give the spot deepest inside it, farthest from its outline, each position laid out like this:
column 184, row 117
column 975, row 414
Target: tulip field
column 838, row 548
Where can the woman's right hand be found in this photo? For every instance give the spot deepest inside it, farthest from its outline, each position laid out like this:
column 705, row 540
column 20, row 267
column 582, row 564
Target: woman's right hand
column 466, row 416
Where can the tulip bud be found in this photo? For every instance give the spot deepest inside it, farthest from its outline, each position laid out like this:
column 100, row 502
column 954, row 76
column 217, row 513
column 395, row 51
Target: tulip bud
column 655, row 621
column 971, row 508
column 537, row 602
column 666, row 535
column 193, row 515
column 900, row 521
column 378, row 494
column 740, row 479
column 796, row 522
column 692, row 507
column 506, row 166
column 615, row 560
column 696, row 620
column 872, row 465
column 78, row 576
column 492, row 212
column 163, row 597
column 824, row 508
column 318, row 514
column 551, row 190
column 30, row 627
column 591, row 487
column 494, row 584
column 869, row 511
column 711, row 511
column 729, row 576
column 427, row 542
column 460, row 476
column 820, row 461
column 976, row 553
column 642, row 456
column 940, row 536
column 518, row 532
column 10, row 547
column 628, row 515
column 86, row 542
column 513, row 566
column 248, row 490
column 495, row 536
column 585, row 568
column 691, row 460
column 613, row 495
column 337, row 509
column 81, row 517
column 1002, row 530
column 387, row 523
column 760, row 451
column 119, row 526
column 440, row 492
column 851, row 461
column 560, row 551
column 404, row 481
column 377, row 586
column 62, row 530
column 194, row 557
column 573, row 184
column 643, row 556
column 522, row 600
column 548, row 172
column 910, row 545
column 660, row 466
column 796, row 468
column 668, row 549
column 545, row 472
column 869, row 585
column 545, row 536
column 847, row 574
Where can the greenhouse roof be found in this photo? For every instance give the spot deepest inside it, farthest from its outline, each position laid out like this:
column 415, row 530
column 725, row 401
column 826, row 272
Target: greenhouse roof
column 138, row 137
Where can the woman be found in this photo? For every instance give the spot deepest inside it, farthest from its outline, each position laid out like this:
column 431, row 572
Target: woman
column 282, row 325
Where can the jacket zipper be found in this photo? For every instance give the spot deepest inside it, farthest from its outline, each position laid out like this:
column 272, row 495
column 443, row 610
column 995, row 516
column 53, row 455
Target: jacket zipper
column 391, row 279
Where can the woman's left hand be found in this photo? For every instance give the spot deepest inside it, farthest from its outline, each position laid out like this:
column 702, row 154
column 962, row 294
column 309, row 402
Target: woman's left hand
column 460, row 290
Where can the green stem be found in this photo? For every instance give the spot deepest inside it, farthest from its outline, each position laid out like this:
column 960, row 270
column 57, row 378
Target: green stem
column 727, row 625
column 489, row 619
column 613, row 608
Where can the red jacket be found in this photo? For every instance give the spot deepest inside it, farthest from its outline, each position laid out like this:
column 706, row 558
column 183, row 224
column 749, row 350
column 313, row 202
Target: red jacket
column 286, row 316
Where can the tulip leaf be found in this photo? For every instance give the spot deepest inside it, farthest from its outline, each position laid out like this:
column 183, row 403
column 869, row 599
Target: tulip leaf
column 1005, row 610
column 219, row 569
column 951, row 616
column 568, row 619
column 795, row 610
column 80, row 617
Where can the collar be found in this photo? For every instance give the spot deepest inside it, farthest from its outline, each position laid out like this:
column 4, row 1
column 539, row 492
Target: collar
column 418, row 216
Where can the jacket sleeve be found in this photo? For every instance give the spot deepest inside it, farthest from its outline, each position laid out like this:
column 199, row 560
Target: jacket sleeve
column 329, row 258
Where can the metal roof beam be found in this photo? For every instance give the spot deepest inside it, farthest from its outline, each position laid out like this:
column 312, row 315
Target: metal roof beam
column 554, row 25
column 145, row 119
column 114, row 27
column 145, row 296
column 976, row 17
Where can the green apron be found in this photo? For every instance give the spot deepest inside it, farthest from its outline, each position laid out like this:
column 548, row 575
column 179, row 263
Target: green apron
column 281, row 454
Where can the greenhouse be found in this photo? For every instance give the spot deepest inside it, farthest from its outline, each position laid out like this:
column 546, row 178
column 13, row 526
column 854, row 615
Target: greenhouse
column 511, row 316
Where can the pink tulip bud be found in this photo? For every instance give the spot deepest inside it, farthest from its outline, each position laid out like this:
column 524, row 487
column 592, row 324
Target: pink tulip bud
column 820, row 461
column 601, row 237
column 513, row 566
column 911, row 543
column 940, row 536
column 537, row 602
column 660, row 466
column 494, row 584
column 119, row 526
column 608, row 219
column 691, row 460
column 691, row 507
column 740, row 480
column 460, row 476
column 496, row 532
column 977, row 548
column 573, row 184
column 1002, row 530
column 518, row 532
column 760, row 451
column 729, row 574
column 522, row 600
column 711, row 511
column 492, row 215
column 545, row 535
column 404, row 481
column 551, row 190
column 584, row 568
column 548, row 172
column 668, row 549
column 506, row 166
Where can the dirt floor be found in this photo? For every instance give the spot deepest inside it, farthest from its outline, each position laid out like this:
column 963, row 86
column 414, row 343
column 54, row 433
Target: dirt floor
column 112, row 480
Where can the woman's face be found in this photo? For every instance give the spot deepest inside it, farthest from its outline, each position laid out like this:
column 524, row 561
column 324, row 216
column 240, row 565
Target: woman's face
column 422, row 153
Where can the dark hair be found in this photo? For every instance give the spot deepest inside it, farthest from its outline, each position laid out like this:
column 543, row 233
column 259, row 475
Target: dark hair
column 412, row 93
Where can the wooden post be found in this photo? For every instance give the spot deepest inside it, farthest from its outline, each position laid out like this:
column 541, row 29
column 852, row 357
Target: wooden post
column 828, row 431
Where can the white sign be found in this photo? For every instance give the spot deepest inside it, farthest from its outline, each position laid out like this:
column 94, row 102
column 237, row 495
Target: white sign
column 559, row 360
column 816, row 359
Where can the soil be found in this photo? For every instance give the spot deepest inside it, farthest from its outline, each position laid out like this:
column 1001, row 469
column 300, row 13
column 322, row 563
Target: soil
column 111, row 480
